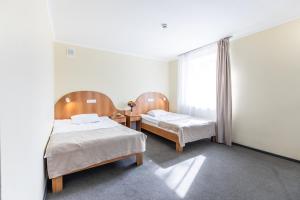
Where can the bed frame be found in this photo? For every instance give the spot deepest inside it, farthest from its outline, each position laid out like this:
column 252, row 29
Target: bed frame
column 84, row 102
column 154, row 100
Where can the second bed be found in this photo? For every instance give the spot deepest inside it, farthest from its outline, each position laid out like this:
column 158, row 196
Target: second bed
column 153, row 108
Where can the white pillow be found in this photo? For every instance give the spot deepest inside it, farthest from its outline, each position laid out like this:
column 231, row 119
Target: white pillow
column 157, row 113
column 85, row 118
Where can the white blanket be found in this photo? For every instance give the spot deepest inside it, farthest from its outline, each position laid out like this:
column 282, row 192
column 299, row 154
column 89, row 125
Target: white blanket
column 66, row 125
column 70, row 151
column 188, row 128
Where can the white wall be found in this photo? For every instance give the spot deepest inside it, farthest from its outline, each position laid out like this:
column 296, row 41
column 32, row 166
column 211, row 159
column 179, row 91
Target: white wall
column 266, row 90
column 173, row 84
column 26, row 85
column 121, row 77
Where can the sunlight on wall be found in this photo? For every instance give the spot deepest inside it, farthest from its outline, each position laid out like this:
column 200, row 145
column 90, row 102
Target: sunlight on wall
column 180, row 177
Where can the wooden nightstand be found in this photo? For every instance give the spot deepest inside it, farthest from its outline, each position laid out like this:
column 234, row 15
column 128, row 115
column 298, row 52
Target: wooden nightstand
column 133, row 118
column 120, row 119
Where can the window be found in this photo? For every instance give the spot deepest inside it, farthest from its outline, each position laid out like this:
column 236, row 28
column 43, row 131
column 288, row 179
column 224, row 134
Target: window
column 197, row 83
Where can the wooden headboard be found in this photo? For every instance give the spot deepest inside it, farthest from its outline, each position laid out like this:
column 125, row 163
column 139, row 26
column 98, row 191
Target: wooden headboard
column 150, row 101
column 84, row 102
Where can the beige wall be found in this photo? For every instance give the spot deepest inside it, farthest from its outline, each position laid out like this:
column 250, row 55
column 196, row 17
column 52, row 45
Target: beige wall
column 266, row 90
column 26, row 103
column 121, row 77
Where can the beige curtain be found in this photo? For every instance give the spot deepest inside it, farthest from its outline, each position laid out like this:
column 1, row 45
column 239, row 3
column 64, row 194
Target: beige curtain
column 224, row 105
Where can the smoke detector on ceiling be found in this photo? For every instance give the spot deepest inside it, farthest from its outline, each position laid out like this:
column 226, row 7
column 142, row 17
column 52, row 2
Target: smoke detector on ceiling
column 164, row 25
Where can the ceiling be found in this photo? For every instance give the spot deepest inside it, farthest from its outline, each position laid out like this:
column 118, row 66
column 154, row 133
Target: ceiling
column 134, row 26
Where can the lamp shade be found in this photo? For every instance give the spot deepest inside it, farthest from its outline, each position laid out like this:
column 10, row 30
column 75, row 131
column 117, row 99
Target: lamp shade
column 131, row 104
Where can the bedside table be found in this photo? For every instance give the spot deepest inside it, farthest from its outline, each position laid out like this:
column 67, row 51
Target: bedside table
column 133, row 118
column 120, row 119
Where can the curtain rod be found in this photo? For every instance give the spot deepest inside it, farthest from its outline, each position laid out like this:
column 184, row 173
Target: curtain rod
column 228, row 37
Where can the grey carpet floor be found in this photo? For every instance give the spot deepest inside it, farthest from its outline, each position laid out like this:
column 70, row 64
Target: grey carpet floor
column 204, row 171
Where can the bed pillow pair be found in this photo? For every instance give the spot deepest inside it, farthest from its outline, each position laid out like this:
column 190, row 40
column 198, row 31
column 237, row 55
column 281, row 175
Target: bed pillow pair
column 85, row 118
column 157, row 113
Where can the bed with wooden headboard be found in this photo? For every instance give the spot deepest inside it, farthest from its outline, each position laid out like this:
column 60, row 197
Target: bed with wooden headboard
column 69, row 161
column 84, row 102
column 153, row 100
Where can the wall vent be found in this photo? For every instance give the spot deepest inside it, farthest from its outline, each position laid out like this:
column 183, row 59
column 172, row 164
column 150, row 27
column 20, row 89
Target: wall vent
column 70, row 52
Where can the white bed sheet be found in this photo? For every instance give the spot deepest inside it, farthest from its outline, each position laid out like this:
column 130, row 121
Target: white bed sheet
column 149, row 119
column 66, row 125
column 171, row 117
column 146, row 121
column 73, row 147
column 187, row 128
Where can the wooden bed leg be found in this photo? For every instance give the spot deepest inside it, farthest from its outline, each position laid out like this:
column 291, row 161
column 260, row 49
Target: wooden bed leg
column 178, row 147
column 57, row 184
column 139, row 159
column 213, row 139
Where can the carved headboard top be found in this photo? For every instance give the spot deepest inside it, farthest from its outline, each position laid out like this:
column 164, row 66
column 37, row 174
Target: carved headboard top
column 150, row 101
column 84, row 102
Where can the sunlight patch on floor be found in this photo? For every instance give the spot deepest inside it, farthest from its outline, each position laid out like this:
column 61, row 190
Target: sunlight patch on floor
column 180, row 177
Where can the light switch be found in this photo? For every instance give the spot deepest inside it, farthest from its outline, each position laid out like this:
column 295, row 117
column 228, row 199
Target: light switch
column 150, row 99
column 91, row 101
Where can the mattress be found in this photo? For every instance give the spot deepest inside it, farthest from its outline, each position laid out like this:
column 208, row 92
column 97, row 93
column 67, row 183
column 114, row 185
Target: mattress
column 187, row 128
column 155, row 124
column 66, row 125
column 75, row 147
column 149, row 119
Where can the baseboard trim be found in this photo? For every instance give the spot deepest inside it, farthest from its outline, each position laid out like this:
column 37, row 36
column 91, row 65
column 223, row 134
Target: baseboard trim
column 266, row 152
